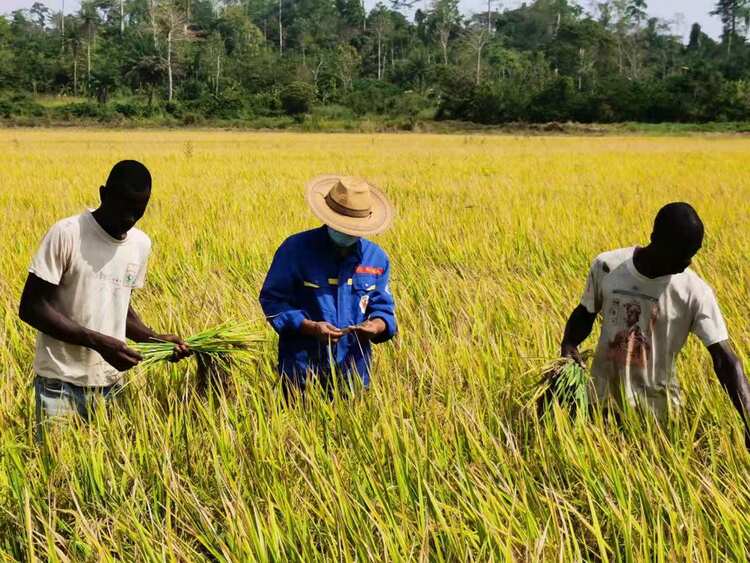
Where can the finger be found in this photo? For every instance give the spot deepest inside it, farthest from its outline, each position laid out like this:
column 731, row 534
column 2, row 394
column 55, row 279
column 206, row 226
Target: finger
column 180, row 351
column 129, row 353
column 130, row 362
column 333, row 331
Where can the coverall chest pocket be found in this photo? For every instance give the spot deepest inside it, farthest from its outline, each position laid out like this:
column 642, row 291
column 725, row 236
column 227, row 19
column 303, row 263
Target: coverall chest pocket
column 362, row 288
column 319, row 298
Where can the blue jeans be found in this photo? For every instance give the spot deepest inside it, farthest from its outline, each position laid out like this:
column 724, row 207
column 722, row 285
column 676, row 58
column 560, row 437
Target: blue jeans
column 55, row 398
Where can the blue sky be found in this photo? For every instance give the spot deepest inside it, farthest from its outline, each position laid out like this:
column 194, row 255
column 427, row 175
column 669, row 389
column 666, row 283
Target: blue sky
column 691, row 10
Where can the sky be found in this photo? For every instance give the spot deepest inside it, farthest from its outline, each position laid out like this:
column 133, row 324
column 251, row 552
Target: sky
column 684, row 12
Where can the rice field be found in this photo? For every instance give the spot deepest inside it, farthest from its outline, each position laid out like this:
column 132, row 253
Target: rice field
column 442, row 460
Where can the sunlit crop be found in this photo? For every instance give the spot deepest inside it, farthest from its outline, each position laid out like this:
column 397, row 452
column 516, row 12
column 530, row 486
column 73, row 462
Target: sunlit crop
column 442, row 460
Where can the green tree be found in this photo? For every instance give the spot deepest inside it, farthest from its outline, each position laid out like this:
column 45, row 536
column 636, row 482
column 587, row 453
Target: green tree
column 444, row 20
column 733, row 14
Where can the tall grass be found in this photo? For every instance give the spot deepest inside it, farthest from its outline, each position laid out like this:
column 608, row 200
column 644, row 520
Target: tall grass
column 440, row 460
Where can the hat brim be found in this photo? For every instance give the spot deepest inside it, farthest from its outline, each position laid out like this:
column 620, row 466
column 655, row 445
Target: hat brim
column 378, row 222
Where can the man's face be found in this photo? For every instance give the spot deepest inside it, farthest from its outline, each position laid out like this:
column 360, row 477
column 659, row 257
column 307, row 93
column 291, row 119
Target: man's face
column 675, row 257
column 124, row 207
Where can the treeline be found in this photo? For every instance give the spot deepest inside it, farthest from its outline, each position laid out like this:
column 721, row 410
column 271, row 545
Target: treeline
column 196, row 60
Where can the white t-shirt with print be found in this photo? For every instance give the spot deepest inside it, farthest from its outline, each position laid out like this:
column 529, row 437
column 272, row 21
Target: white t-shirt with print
column 95, row 274
column 645, row 323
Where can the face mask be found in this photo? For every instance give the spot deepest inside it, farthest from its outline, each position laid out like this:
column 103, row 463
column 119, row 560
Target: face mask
column 342, row 240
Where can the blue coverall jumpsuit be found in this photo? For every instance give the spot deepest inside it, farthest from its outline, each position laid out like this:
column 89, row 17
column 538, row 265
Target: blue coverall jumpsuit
column 309, row 279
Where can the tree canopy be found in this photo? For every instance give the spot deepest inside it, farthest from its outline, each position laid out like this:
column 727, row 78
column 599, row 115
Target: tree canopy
column 547, row 60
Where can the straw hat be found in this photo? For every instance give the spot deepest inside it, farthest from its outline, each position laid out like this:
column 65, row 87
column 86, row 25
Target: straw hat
column 350, row 205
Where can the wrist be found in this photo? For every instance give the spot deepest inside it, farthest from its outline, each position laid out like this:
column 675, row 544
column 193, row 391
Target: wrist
column 92, row 339
column 566, row 346
column 380, row 324
column 145, row 335
column 152, row 336
column 307, row 327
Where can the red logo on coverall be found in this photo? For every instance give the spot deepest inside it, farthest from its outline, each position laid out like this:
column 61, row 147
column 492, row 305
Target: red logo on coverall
column 369, row 270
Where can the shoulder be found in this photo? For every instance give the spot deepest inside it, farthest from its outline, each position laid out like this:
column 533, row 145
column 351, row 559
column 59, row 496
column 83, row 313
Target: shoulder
column 612, row 259
column 695, row 285
column 140, row 239
column 64, row 232
column 298, row 247
column 372, row 251
column 70, row 226
column 305, row 240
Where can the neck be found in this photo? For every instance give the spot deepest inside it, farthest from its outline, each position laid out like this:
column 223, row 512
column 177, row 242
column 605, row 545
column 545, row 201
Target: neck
column 646, row 263
column 101, row 217
column 342, row 251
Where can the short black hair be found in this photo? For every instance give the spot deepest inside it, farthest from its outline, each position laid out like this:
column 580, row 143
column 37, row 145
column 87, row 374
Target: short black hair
column 678, row 223
column 130, row 175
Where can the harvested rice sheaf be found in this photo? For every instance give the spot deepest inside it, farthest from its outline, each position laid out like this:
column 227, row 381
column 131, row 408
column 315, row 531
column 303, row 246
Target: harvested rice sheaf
column 564, row 381
column 215, row 346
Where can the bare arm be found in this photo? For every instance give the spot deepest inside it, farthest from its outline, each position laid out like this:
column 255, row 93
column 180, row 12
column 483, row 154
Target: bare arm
column 577, row 329
column 38, row 310
column 729, row 371
column 138, row 331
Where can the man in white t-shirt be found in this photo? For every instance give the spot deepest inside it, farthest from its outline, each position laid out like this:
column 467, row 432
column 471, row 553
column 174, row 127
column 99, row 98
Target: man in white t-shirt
column 77, row 295
column 649, row 302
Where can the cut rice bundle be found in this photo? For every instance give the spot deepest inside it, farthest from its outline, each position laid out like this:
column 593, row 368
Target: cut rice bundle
column 565, row 382
column 217, row 344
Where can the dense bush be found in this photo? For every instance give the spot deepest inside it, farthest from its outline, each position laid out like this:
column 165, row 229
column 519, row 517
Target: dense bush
column 127, row 108
column 688, row 98
column 371, row 96
column 297, row 98
column 18, row 104
column 84, row 110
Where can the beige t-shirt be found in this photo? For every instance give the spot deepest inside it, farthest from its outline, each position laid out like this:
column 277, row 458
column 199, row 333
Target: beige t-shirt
column 95, row 274
column 645, row 323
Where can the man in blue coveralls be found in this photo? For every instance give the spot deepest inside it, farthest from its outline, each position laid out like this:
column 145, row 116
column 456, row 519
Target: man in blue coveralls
column 326, row 293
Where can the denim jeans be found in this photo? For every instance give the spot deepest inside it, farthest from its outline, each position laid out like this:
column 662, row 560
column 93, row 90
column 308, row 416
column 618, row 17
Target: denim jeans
column 55, row 398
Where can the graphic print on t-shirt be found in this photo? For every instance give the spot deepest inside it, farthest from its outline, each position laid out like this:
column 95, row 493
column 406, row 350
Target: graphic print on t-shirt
column 634, row 317
column 131, row 274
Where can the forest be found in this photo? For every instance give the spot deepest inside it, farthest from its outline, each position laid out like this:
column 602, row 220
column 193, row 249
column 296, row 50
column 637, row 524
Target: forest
column 308, row 61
